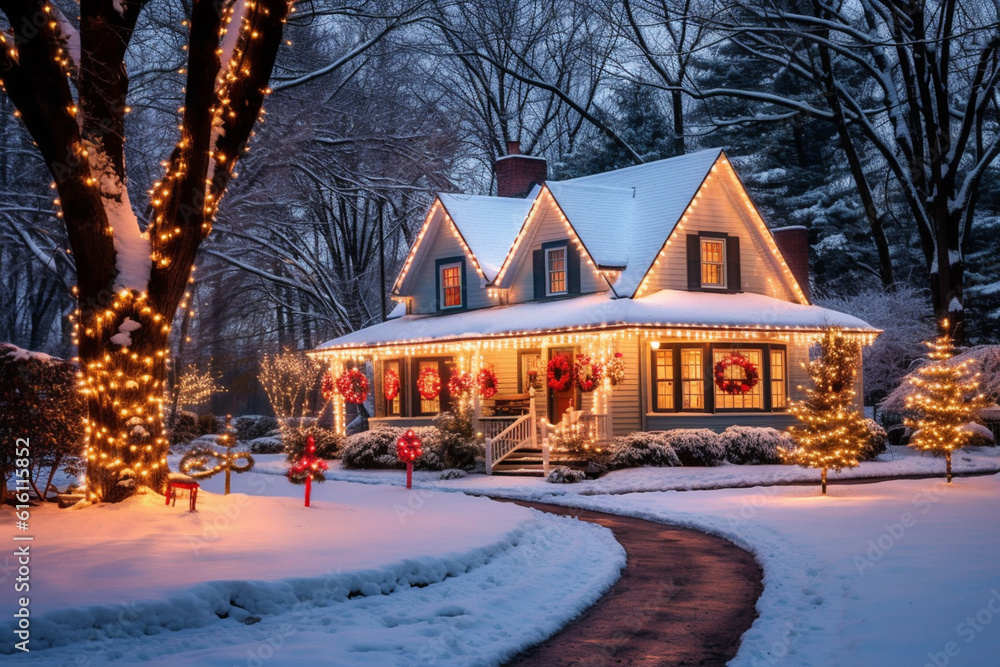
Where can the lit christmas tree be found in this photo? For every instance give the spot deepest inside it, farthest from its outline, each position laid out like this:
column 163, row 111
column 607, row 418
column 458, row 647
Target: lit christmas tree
column 833, row 430
column 945, row 399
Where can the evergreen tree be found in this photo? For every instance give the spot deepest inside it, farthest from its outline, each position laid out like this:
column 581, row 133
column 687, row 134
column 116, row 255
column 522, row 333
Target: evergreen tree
column 833, row 431
column 945, row 400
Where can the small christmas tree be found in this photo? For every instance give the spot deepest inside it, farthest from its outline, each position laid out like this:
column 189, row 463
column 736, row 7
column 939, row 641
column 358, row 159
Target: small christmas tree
column 833, row 430
column 945, row 399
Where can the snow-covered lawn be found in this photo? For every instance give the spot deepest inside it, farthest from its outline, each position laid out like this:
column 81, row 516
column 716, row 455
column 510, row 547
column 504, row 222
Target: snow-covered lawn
column 368, row 575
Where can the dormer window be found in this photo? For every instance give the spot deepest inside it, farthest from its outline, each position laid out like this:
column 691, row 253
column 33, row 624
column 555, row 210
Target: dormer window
column 555, row 270
column 451, row 283
column 713, row 263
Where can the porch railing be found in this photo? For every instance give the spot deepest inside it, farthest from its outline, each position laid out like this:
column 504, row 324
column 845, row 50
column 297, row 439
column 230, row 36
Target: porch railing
column 505, row 435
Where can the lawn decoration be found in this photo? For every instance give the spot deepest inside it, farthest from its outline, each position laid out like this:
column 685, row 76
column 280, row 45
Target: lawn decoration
column 749, row 376
column 409, row 449
column 197, row 462
column 353, row 386
column 310, row 467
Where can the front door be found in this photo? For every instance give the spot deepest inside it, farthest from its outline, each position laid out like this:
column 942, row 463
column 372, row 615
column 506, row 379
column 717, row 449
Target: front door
column 561, row 401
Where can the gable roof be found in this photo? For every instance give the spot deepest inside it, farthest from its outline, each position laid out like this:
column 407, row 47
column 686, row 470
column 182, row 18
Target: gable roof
column 487, row 224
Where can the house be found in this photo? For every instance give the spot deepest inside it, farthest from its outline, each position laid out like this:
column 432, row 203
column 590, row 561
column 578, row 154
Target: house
column 663, row 276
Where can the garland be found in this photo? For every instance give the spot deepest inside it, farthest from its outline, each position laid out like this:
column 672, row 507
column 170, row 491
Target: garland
column 616, row 369
column 328, row 386
column 459, row 384
column 353, row 386
column 737, row 385
column 560, row 373
column 429, row 383
column 487, row 382
column 390, row 384
column 587, row 374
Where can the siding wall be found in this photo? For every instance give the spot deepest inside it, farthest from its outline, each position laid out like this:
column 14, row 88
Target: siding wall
column 444, row 244
column 715, row 211
column 625, row 403
column 550, row 227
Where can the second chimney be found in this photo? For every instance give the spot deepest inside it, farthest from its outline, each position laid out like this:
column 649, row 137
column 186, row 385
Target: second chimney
column 793, row 242
column 517, row 174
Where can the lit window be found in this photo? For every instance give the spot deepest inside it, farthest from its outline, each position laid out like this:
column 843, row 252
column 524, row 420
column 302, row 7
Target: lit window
column 430, row 406
column 664, row 379
column 555, row 267
column 692, row 379
column 451, row 286
column 713, row 263
column 779, row 395
column 751, row 400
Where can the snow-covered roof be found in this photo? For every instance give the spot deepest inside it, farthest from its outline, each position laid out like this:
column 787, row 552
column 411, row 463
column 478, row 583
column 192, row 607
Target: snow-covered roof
column 488, row 225
column 597, row 213
column 666, row 308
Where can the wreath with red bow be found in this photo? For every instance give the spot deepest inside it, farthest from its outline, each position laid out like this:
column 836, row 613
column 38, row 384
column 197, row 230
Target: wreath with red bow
column 353, row 386
column 616, row 369
column 560, row 373
column 408, row 447
column 328, row 386
column 588, row 374
column 487, row 382
column 736, row 385
column 429, row 383
column 390, row 385
column 459, row 384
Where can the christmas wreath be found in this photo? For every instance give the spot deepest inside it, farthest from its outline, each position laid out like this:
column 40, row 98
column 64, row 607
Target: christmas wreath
column 616, row 369
column 429, row 383
column 459, row 384
column 487, row 382
column 390, row 384
column 353, row 386
column 736, row 385
column 560, row 373
column 328, row 386
column 588, row 374
column 408, row 447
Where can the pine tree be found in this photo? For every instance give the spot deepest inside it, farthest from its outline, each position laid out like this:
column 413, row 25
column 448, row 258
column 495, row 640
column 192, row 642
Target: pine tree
column 945, row 399
column 833, row 430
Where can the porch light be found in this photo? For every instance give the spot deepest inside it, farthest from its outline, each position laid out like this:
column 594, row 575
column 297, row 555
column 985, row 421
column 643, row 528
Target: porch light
column 655, row 345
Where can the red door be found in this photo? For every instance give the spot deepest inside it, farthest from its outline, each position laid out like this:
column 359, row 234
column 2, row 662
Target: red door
column 560, row 401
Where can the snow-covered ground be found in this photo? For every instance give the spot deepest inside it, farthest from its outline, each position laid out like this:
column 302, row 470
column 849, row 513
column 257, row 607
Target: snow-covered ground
column 368, row 575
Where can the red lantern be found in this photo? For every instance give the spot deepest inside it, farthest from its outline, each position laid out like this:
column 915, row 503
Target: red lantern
column 390, row 385
column 487, row 382
column 409, row 449
column 737, row 385
column 353, row 386
column 560, row 373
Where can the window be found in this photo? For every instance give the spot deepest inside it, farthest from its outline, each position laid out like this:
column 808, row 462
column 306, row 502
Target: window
column 753, row 399
column 664, row 375
column 431, row 406
column 555, row 270
column 692, row 379
column 779, row 394
column 532, row 373
column 451, row 285
column 393, row 407
column 713, row 262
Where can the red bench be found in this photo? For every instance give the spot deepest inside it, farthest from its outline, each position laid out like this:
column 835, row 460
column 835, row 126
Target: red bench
column 177, row 481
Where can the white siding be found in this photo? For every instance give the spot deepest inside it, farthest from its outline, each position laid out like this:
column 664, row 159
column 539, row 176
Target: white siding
column 625, row 405
column 715, row 211
column 445, row 244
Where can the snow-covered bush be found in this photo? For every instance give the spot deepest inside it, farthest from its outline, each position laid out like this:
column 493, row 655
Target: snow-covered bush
column 453, row 473
column 252, row 427
column 185, row 428
column 877, row 441
column 641, row 449
column 208, row 425
column 371, row 449
column 981, row 435
column 696, row 446
column 564, row 475
column 459, row 445
column 328, row 443
column 267, row 445
column 433, row 446
column 753, row 445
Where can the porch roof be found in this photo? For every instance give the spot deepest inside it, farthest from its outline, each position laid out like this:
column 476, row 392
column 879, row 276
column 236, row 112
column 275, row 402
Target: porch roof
column 666, row 308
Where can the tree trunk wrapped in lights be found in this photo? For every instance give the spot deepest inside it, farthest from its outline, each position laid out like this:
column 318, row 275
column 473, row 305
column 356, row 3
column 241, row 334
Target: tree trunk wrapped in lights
column 945, row 400
column 833, row 430
column 131, row 282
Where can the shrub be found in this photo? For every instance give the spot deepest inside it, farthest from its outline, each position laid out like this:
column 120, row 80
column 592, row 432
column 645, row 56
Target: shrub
column 185, row 428
column 453, row 473
column 877, row 441
column 696, row 446
column 564, row 475
column 752, row 445
column 266, row 445
column 641, row 449
column 208, row 425
column 371, row 449
column 252, row 427
column 432, row 444
column 899, row 435
column 459, row 445
column 328, row 443
column 981, row 435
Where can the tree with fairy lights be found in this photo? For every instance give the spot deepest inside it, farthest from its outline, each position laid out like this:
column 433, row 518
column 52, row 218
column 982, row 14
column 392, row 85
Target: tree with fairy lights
column 944, row 401
column 69, row 82
column 833, row 431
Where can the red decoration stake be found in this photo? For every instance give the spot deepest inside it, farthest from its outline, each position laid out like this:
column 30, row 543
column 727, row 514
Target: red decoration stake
column 308, row 468
column 408, row 450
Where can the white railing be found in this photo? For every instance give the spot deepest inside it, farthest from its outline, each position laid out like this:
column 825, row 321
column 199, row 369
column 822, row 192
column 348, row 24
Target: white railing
column 519, row 433
column 490, row 427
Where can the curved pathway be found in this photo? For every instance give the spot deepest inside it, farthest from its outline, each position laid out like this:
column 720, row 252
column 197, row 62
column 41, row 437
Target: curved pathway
column 685, row 598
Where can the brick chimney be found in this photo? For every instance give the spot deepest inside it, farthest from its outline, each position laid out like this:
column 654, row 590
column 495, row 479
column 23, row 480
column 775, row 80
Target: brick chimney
column 793, row 242
column 517, row 174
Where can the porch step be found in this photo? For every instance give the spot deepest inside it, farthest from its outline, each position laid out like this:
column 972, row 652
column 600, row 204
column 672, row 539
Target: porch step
column 528, row 461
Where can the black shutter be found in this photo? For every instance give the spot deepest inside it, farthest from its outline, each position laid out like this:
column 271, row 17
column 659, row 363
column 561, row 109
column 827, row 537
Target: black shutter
column 572, row 270
column 694, row 261
column 538, row 269
column 733, row 264
column 465, row 292
column 437, row 285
